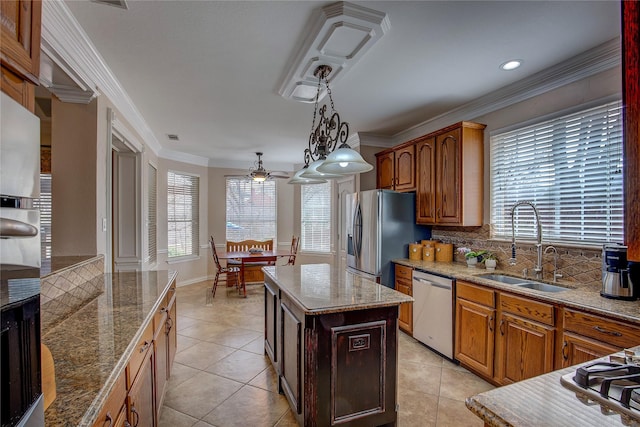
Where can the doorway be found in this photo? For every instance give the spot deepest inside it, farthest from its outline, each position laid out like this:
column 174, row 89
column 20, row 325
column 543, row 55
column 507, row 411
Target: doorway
column 346, row 186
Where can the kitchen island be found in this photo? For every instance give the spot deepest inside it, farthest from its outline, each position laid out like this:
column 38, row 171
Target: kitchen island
column 332, row 338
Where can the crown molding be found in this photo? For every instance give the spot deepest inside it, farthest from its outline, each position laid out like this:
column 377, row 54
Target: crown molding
column 375, row 140
column 66, row 43
column 338, row 35
column 601, row 58
column 180, row 156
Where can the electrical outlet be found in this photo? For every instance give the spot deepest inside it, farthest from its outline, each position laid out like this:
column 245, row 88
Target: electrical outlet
column 104, row 224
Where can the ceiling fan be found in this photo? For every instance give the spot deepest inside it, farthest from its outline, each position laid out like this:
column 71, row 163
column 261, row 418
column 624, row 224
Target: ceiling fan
column 259, row 174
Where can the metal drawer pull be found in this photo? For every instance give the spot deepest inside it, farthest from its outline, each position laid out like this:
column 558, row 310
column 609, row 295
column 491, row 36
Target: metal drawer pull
column 604, row 331
column 145, row 346
column 490, row 323
column 135, row 412
column 108, row 418
column 502, row 327
column 565, row 345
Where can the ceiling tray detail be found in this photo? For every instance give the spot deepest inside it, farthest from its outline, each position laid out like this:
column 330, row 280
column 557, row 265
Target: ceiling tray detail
column 339, row 34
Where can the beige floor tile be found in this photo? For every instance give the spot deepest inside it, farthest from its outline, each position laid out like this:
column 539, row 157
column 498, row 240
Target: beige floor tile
column 184, row 322
column 459, row 385
column 256, row 346
column 236, row 338
column 240, row 366
column 453, row 413
column 199, row 395
column 416, row 408
column 180, row 373
column 203, row 424
column 266, row 409
column 266, row 380
column 418, row 377
column 184, row 342
column 203, row 355
column 172, row 418
column 204, row 330
column 287, row 420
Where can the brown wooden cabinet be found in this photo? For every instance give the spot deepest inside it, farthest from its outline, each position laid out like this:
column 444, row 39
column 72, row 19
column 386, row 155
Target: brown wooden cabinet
column 404, row 284
column 141, row 399
column 20, row 49
column 396, row 168
column 114, row 408
column 475, row 327
column 586, row 336
column 449, row 189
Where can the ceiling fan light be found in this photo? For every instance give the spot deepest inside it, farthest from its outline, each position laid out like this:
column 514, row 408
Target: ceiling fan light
column 299, row 179
column 344, row 161
column 312, row 171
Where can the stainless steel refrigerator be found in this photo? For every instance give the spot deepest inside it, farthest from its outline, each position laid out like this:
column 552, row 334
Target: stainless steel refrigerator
column 380, row 225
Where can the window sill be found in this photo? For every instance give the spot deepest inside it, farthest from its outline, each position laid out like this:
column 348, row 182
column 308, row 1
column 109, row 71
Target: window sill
column 178, row 260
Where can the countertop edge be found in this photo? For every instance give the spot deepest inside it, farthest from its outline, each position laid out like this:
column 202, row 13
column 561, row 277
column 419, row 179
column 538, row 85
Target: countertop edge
column 90, row 415
column 489, row 417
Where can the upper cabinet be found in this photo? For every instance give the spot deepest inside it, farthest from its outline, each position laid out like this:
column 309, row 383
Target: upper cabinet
column 20, row 49
column 450, row 176
column 396, row 168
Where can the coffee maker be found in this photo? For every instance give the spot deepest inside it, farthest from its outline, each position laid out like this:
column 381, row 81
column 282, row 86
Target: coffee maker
column 618, row 282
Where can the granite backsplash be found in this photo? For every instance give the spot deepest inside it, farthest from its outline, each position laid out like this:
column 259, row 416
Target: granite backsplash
column 579, row 266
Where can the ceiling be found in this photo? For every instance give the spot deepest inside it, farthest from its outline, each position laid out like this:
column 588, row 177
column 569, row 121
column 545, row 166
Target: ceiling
column 210, row 71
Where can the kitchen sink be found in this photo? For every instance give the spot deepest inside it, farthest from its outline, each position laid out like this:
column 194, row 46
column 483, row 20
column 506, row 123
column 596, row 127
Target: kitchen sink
column 522, row 283
column 508, row 280
column 544, row 287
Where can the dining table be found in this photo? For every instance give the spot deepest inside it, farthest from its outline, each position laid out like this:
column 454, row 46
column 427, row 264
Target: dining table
column 269, row 257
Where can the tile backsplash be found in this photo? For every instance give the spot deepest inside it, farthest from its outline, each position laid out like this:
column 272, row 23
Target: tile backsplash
column 581, row 267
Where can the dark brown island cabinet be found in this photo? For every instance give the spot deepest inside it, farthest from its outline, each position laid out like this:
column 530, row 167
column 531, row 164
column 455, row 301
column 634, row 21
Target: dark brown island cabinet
column 332, row 338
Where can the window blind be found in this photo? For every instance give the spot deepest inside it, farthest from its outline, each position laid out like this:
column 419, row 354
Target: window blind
column 152, row 215
column 570, row 168
column 183, row 192
column 251, row 209
column 44, row 205
column 315, row 233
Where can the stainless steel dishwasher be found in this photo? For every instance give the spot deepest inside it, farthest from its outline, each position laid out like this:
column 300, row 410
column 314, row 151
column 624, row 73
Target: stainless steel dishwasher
column 433, row 311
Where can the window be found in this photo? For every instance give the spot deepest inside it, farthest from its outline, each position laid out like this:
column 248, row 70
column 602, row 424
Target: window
column 183, row 192
column 570, row 168
column 315, row 233
column 151, row 215
column 251, row 209
column 44, row 205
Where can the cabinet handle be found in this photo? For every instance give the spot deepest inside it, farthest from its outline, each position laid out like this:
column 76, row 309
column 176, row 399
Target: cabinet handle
column 604, row 331
column 163, row 309
column 168, row 325
column 145, row 346
column 135, row 412
column 491, row 323
column 126, row 423
column 565, row 345
column 502, row 327
column 108, row 418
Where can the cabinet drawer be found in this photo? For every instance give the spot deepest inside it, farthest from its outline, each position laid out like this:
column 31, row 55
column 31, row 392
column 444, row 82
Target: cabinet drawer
column 404, row 272
column 529, row 309
column 475, row 293
column 113, row 405
column 601, row 329
column 139, row 353
column 161, row 314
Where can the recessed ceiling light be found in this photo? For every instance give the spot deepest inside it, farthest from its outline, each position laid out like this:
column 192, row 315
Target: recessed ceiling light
column 511, row 65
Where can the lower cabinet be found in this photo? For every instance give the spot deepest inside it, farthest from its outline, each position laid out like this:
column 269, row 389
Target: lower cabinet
column 404, row 284
column 141, row 399
column 271, row 307
column 578, row 349
column 292, row 350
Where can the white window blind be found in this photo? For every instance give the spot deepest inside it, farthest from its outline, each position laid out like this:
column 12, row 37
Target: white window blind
column 44, row 205
column 152, row 215
column 570, row 168
column 315, row 233
column 182, row 214
column 251, row 209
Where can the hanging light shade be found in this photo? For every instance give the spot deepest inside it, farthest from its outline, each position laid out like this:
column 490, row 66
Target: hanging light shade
column 298, row 178
column 330, row 134
column 344, row 161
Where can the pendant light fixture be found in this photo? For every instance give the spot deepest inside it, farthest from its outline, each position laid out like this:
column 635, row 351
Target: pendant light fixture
column 328, row 155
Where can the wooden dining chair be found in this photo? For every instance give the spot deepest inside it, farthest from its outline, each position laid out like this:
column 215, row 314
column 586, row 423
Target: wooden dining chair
column 295, row 241
column 230, row 271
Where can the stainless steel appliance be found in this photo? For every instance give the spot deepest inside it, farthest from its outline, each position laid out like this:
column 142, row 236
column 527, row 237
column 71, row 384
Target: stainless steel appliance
column 612, row 385
column 617, row 282
column 380, row 226
column 433, row 311
column 21, row 399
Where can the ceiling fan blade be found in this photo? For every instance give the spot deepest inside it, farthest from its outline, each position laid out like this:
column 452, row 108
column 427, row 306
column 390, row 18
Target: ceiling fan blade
column 279, row 174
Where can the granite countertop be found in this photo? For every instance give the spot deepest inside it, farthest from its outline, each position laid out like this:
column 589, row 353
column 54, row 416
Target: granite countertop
column 91, row 332
column 583, row 298
column 323, row 289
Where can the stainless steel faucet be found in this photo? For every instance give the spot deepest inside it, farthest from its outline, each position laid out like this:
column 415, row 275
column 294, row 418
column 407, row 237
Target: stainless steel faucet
column 556, row 255
column 512, row 261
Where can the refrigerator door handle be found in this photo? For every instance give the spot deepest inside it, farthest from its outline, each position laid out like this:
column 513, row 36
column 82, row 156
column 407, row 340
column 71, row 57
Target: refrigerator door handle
column 357, row 231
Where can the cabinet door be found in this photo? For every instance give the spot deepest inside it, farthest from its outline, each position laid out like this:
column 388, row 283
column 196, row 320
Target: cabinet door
column 405, row 316
column 385, row 166
column 270, row 323
column 161, row 365
column 20, row 47
column 141, row 395
column 290, row 364
column 475, row 332
column 172, row 334
column 448, row 191
column 405, row 169
column 524, row 349
column 426, row 185
column 578, row 349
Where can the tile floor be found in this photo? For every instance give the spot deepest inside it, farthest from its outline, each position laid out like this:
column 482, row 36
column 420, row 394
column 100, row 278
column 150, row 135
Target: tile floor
column 222, row 378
